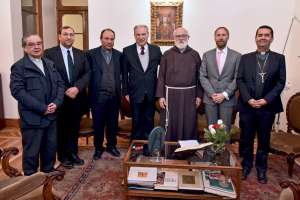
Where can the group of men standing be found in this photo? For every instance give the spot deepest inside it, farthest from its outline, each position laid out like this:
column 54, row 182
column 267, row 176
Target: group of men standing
column 54, row 85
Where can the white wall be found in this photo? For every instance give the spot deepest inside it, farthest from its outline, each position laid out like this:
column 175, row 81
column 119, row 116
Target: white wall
column 199, row 17
column 10, row 38
column 49, row 23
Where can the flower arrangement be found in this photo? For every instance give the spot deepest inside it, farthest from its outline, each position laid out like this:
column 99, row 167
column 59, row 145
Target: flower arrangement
column 216, row 133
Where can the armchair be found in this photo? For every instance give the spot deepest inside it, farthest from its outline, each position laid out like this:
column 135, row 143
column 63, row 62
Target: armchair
column 36, row 186
column 288, row 143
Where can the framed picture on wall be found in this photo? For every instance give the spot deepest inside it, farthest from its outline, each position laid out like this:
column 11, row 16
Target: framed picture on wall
column 165, row 17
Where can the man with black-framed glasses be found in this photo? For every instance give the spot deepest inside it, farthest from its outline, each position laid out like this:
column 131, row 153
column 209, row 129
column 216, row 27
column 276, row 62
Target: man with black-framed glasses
column 39, row 90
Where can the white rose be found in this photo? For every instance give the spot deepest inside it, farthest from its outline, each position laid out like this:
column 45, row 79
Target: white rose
column 211, row 129
column 220, row 122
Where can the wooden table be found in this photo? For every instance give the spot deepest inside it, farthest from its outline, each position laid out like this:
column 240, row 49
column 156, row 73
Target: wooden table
column 234, row 171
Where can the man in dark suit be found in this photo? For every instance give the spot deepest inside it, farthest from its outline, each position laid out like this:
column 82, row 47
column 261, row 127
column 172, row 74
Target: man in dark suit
column 105, row 92
column 73, row 67
column 140, row 76
column 39, row 90
column 261, row 79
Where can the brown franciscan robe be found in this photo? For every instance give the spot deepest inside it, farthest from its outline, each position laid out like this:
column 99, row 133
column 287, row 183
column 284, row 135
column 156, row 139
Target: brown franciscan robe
column 180, row 70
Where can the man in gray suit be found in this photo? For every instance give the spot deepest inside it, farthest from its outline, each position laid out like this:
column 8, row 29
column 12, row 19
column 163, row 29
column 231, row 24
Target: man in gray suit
column 218, row 78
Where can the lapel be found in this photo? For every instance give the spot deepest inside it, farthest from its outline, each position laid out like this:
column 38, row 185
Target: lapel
column 50, row 69
column 136, row 57
column 151, row 54
column 269, row 65
column 253, row 65
column 61, row 64
column 99, row 58
column 76, row 63
column 214, row 62
column 227, row 60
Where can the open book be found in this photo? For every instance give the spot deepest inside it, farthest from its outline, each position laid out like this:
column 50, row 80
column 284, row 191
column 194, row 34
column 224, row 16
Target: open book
column 192, row 145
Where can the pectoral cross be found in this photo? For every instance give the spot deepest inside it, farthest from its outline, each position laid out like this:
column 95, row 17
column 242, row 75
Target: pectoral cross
column 262, row 74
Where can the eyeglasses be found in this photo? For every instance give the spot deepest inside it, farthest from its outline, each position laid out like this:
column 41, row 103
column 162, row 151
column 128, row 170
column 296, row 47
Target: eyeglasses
column 182, row 36
column 68, row 34
column 32, row 44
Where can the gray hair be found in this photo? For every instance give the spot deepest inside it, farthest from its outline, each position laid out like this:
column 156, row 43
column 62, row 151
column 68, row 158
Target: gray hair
column 174, row 33
column 25, row 37
column 141, row 26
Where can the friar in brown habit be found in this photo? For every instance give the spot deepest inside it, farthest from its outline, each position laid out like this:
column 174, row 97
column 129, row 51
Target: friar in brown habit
column 178, row 89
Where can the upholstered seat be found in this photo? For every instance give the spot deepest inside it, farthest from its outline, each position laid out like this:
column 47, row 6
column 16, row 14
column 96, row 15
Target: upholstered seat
column 291, row 191
column 86, row 127
column 288, row 143
column 34, row 187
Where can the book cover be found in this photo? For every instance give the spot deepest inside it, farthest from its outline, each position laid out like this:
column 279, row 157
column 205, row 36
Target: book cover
column 216, row 183
column 190, row 180
column 142, row 174
column 167, row 180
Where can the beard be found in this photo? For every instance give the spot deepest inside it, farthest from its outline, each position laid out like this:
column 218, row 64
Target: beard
column 181, row 45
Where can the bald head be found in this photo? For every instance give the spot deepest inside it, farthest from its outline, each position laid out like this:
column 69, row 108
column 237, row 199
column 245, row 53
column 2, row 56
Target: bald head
column 180, row 31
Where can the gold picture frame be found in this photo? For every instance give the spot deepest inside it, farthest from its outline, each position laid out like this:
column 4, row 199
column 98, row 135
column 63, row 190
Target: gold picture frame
column 166, row 16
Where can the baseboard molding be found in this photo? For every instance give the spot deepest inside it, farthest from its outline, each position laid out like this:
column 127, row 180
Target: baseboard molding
column 12, row 123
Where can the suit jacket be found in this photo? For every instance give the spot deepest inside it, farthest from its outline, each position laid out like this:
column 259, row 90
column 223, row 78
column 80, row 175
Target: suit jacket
column 136, row 81
column 80, row 76
column 28, row 86
column 213, row 82
column 95, row 60
column 273, row 84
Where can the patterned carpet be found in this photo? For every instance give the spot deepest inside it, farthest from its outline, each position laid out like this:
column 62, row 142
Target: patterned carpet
column 102, row 179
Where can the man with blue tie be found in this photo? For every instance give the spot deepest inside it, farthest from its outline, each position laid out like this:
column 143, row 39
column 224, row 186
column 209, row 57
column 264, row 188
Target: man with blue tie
column 73, row 67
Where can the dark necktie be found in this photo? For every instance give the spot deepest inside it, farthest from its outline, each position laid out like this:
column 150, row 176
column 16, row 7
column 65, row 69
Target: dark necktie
column 70, row 66
column 142, row 50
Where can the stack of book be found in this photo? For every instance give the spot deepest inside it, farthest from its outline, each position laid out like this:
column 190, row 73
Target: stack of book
column 142, row 178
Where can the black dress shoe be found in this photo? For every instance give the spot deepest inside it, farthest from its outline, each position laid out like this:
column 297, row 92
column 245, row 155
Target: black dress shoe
column 113, row 151
column 245, row 173
column 262, row 177
column 76, row 160
column 67, row 164
column 97, row 155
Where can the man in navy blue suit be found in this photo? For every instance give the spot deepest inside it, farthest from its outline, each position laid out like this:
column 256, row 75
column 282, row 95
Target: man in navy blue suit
column 261, row 79
column 140, row 76
column 105, row 92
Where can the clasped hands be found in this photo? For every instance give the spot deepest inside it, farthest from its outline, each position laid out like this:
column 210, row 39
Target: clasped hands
column 217, row 98
column 257, row 103
column 51, row 108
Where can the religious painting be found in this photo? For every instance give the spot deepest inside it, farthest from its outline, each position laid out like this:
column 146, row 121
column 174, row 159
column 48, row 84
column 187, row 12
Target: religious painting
column 166, row 16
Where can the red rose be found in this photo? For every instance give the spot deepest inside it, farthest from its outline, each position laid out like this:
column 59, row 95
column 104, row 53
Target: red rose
column 216, row 126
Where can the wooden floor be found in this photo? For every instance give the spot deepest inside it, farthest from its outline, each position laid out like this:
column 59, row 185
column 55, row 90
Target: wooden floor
column 11, row 137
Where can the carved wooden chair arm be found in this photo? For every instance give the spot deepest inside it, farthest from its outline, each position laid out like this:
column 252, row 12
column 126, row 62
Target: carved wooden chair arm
column 47, row 189
column 5, row 156
column 295, row 188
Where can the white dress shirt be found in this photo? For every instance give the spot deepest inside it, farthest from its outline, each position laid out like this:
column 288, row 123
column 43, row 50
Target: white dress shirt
column 144, row 59
column 64, row 52
column 223, row 56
